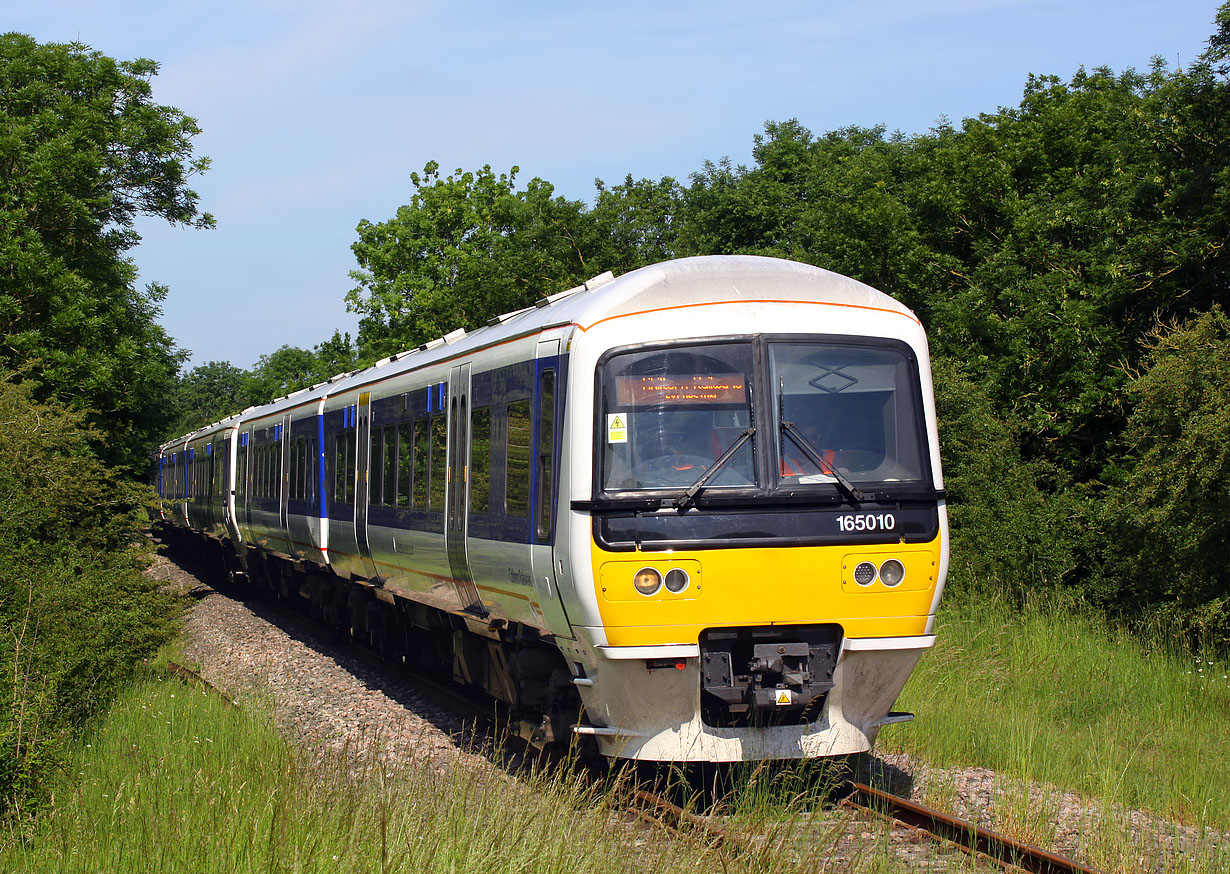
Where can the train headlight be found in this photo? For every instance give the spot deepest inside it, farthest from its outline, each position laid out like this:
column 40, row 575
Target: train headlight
column 865, row 573
column 892, row 572
column 647, row 581
column 677, row 580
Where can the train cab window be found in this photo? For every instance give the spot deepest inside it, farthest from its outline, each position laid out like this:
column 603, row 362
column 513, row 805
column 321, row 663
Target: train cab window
column 480, row 460
column 520, row 433
column 668, row 414
column 848, row 410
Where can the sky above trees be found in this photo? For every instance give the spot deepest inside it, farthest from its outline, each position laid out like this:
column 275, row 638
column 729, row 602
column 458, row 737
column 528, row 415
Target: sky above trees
column 315, row 115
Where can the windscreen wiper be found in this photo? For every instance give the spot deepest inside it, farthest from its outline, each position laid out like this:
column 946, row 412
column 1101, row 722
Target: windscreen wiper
column 825, row 467
column 690, row 495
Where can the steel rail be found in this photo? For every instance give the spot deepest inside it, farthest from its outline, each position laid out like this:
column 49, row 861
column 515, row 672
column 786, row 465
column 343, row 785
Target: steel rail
column 968, row 835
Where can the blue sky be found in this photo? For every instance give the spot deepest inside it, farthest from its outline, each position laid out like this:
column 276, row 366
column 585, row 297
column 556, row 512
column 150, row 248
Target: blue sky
column 315, row 113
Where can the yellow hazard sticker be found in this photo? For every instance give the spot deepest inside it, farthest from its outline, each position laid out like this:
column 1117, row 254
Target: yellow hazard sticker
column 617, row 428
column 784, row 696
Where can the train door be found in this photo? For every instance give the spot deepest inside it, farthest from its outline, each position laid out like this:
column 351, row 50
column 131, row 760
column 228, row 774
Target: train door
column 284, row 489
column 243, row 482
column 362, row 488
column 456, row 501
column 230, row 446
column 548, row 407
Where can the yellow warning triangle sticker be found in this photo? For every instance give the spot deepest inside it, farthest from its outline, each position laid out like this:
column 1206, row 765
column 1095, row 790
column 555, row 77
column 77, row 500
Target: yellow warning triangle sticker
column 617, row 422
column 783, row 696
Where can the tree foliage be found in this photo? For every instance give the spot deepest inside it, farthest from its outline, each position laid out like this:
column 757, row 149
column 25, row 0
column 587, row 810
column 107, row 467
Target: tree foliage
column 217, row 389
column 76, row 615
column 1168, row 520
column 467, row 247
column 84, row 150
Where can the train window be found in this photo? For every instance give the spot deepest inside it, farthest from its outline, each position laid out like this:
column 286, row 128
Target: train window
column 851, row 407
column 313, row 462
column 352, row 457
column 439, row 463
column 405, row 462
column 295, row 472
column 375, row 465
column 421, row 451
column 546, row 445
column 480, row 460
column 339, row 470
column 517, row 457
column 668, row 414
column 305, row 468
column 390, row 465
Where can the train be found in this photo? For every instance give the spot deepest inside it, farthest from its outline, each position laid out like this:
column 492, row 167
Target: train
column 693, row 513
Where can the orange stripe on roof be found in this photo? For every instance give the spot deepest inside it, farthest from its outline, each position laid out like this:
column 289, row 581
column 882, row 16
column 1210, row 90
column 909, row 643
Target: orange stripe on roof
column 685, row 306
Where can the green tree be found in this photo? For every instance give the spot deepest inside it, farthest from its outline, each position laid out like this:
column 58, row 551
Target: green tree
column 639, row 222
column 84, row 150
column 217, row 389
column 467, row 247
column 207, row 393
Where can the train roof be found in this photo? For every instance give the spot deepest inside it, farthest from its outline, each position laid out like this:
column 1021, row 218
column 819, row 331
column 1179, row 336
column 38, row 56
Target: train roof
column 678, row 283
column 670, row 284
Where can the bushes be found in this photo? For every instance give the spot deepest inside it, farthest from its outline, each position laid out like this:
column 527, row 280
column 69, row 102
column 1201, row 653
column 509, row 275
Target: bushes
column 1167, row 521
column 1013, row 530
column 76, row 614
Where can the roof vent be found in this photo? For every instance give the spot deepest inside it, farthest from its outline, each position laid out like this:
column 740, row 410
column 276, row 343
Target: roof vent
column 588, row 285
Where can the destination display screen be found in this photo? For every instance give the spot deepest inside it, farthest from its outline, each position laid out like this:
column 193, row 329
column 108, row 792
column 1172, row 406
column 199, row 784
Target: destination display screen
column 680, row 389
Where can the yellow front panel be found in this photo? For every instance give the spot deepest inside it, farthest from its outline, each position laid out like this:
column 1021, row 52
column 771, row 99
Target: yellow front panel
column 761, row 586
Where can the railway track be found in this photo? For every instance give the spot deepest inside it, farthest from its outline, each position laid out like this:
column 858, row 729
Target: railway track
column 986, row 845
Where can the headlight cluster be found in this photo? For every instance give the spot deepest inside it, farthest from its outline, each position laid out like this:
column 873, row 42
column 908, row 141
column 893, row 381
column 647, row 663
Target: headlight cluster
column 890, row 572
column 649, row 580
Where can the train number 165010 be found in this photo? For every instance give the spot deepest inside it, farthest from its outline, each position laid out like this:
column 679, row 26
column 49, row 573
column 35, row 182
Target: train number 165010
column 866, row 522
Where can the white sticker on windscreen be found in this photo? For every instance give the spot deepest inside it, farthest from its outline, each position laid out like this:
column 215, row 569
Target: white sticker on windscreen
column 617, row 428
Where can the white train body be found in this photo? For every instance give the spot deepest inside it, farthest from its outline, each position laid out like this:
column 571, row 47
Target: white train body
column 501, row 494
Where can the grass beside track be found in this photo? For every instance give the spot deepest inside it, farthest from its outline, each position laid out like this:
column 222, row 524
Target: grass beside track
column 1050, row 693
column 175, row 780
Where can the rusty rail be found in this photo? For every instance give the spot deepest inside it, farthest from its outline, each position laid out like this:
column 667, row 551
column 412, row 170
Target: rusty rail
column 968, row 835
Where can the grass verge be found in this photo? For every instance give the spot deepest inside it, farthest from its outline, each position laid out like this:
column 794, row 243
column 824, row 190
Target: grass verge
column 176, row 780
column 1051, row 693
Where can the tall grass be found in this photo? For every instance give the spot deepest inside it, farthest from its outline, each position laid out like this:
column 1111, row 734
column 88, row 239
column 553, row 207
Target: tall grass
column 1055, row 694
column 177, row 781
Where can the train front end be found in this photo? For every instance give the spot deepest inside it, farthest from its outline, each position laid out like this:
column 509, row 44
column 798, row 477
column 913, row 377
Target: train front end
column 756, row 531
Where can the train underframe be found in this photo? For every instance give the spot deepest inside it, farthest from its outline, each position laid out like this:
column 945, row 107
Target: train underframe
column 515, row 664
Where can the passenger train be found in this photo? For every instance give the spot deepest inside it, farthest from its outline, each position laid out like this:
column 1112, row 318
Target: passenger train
column 694, row 513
